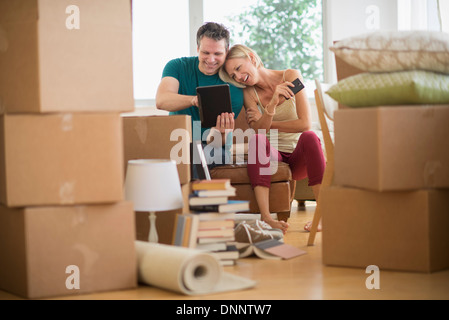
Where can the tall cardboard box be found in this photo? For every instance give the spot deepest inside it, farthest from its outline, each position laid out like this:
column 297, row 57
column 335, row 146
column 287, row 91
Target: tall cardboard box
column 159, row 137
column 61, row 159
column 65, row 56
column 392, row 148
column 405, row 231
column 67, row 250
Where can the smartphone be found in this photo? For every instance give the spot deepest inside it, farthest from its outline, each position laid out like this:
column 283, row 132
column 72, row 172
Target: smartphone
column 298, row 86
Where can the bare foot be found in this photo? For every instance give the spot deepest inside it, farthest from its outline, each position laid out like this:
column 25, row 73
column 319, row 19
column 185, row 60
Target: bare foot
column 308, row 226
column 278, row 224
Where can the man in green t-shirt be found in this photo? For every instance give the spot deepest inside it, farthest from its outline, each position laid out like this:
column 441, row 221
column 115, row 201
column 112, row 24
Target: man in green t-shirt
column 181, row 77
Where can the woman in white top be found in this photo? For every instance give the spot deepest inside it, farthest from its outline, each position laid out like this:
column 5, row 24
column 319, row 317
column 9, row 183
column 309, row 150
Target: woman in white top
column 270, row 104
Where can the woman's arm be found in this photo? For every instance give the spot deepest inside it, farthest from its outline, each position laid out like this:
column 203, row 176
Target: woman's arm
column 303, row 123
column 256, row 119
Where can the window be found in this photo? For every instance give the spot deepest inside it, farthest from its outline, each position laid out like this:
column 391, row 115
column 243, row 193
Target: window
column 157, row 38
column 285, row 34
column 217, row 12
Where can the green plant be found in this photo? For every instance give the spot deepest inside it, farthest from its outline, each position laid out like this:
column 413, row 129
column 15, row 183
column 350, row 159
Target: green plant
column 285, row 34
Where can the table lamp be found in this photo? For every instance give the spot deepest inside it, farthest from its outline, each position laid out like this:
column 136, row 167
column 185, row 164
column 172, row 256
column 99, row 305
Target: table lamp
column 153, row 185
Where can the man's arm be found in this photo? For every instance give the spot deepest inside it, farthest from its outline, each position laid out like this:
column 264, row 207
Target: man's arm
column 168, row 98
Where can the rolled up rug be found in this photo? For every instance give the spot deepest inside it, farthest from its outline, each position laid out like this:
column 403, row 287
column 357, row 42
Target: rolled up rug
column 186, row 271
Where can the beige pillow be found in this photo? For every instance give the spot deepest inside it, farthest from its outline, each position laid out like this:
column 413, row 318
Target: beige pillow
column 386, row 51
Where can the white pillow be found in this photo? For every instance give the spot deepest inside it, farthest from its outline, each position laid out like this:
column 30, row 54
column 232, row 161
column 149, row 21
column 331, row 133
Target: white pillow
column 386, row 51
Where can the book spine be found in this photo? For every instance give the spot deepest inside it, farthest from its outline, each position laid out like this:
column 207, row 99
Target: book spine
column 205, row 208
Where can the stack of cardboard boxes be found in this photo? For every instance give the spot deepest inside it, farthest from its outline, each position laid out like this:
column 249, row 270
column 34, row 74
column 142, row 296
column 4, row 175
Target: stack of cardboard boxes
column 66, row 75
column 389, row 205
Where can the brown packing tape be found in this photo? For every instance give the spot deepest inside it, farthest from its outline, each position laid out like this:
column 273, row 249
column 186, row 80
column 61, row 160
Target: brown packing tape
column 3, row 40
column 67, row 188
column 66, row 122
column 3, row 48
column 80, row 219
column 431, row 171
column 67, row 193
column 2, row 106
column 141, row 130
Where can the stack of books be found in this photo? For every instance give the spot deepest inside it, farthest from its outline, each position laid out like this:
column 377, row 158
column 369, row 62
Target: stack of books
column 210, row 225
column 216, row 234
column 213, row 196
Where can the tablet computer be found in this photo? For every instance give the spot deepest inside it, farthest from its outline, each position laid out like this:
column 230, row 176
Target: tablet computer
column 213, row 101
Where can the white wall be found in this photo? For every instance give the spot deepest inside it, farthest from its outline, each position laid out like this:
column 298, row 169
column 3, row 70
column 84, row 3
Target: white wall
column 346, row 18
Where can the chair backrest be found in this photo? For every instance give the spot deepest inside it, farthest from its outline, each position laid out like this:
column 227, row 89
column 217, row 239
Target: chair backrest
column 325, row 107
column 329, row 104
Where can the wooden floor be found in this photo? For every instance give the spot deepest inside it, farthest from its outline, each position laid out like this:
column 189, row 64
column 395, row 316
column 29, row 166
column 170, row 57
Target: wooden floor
column 302, row 278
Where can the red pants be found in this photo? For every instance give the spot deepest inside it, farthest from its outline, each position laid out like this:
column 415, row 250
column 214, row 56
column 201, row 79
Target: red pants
column 307, row 160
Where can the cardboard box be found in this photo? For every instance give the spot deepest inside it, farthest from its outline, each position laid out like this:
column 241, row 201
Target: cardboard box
column 344, row 69
column 65, row 56
column 61, row 159
column 404, row 231
column 392, row 148
column 49, row 251
column 159, row 137
column 165, row 221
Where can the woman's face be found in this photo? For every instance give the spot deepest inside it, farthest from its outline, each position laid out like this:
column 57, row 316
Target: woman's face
column 242, row 70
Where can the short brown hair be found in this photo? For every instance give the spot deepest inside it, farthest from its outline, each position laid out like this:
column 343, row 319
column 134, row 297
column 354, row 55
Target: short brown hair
column 214, row 31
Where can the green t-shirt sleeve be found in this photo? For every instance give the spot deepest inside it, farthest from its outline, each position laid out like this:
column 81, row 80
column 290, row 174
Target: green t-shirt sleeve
column 172, row 69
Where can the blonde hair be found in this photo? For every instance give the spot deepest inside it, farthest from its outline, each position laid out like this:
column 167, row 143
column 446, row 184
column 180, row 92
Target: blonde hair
column 239, row 51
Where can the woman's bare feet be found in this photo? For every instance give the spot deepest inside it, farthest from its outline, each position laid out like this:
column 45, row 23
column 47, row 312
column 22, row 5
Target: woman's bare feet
column 278, row 224
column 308, row 226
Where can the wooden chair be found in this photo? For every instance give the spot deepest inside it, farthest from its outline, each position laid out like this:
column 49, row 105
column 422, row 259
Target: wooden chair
column 325, row 106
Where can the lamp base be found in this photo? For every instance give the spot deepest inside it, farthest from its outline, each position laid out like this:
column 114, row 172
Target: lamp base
column 152, row 236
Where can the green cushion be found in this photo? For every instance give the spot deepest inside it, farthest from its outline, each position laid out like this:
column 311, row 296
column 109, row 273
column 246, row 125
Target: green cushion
column 392, row 88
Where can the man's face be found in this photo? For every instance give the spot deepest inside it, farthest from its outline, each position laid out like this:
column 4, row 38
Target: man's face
column 212, row 55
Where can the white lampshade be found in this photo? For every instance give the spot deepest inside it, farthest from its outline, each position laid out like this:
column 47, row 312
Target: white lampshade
column 153, row 185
